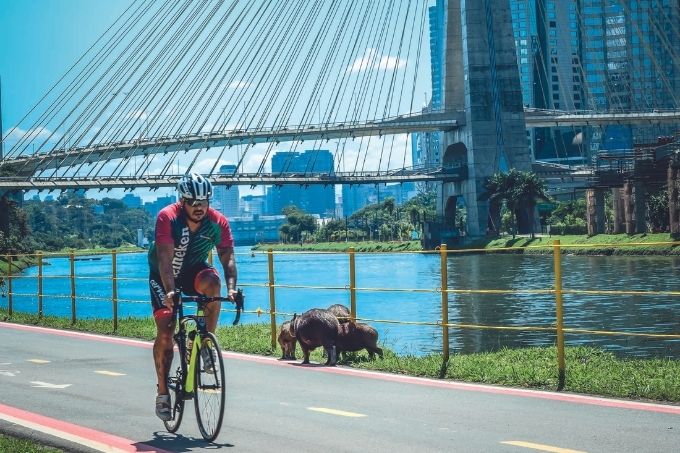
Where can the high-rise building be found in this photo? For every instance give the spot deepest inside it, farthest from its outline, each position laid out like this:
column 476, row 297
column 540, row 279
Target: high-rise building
column 548, row 56
column 314, row 199
column 226, row 199
column 630, row 64
column 359, row 196
column 132, row 201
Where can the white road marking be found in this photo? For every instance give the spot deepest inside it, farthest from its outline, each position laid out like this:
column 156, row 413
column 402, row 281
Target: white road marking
column 38, row 361
column 540, row 447
column 47, row 385
column 109, row 373
column 335, row 412
column 9, row 373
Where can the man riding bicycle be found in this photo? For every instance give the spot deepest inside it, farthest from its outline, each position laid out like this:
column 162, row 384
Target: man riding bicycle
column 186, row 231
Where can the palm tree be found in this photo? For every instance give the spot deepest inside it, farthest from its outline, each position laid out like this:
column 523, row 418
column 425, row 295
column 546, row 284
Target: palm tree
column 520, row 192
column 528, row 190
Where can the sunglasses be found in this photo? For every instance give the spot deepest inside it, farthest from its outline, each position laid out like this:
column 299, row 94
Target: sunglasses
column 196, row 203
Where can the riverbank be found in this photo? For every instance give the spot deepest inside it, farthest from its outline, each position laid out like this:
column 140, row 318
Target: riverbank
column 366, row 246
column 588, row 370
column 601, row 244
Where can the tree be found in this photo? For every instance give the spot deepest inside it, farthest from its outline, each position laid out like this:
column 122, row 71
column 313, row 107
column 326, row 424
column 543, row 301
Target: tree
column 528, row 190
column 519, row 191
column 298, row 223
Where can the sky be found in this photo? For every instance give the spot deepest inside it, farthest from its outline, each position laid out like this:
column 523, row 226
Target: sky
column 41, row 39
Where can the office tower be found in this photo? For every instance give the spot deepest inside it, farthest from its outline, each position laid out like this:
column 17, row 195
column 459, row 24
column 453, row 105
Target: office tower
column 314, row 199
column 226, row 199
column 132, row 201
column 630, row 64
column 547, row 43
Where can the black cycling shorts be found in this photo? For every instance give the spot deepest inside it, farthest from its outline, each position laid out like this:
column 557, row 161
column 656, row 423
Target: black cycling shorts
column 186, row 281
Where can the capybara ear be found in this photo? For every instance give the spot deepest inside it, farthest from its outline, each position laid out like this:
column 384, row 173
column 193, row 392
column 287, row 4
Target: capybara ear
column 294, row 316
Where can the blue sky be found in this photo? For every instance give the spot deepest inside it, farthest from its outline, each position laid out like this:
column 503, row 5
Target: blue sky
column 41, row 39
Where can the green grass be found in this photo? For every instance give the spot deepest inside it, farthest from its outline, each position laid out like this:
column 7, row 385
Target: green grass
column 589, row 370
column 367, row 246
column 12, row 444
column 601, row 244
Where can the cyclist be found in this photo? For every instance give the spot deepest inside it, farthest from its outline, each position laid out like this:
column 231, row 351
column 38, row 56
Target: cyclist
column 185, row 233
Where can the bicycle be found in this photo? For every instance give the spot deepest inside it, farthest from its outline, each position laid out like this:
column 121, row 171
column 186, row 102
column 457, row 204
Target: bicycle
column 199, row 375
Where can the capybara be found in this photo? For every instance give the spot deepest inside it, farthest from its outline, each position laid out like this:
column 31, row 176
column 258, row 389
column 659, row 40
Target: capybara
column 287, row 341
column 341, row 312
column 314, row 328
column 355, row 336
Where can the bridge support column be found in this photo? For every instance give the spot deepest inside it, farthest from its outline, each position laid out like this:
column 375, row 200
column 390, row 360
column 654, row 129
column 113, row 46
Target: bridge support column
column 481, row 82
column 634, row 201
column 595, row 211
column 673, row 194
column 619, row 211
column 640, row 207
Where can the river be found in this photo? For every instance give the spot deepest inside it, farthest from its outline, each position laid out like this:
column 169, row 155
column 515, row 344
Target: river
column 380, row 272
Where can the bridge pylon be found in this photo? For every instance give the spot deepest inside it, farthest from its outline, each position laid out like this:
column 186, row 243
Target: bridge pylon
column 481, row 81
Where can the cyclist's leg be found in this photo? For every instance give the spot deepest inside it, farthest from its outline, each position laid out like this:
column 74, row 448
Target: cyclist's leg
column 162, row 346
column 207, row 282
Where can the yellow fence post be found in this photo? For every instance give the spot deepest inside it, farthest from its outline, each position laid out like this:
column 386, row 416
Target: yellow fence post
column 114, row 288
column 557, row 254
column 40, row 285
column 272, row 297
column 9, row 285
column 445, row 303
column 352, row 286
column 72, row 259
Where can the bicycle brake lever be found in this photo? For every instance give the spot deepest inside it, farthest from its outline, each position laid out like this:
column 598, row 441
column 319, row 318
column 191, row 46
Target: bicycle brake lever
column 238, row 299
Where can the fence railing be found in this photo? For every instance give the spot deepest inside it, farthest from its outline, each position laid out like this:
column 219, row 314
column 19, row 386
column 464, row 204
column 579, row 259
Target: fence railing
column 557, row 291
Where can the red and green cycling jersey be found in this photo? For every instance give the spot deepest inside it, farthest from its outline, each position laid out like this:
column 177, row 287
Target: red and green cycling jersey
column 190, row 248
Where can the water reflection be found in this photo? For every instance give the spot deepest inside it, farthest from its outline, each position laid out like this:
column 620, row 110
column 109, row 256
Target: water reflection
column 378, row 273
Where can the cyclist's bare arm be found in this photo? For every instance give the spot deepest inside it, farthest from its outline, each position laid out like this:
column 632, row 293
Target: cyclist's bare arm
column 165, row 252
column 228, row 260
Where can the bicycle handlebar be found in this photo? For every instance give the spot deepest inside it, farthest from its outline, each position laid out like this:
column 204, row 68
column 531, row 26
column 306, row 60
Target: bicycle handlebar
column 238, row 300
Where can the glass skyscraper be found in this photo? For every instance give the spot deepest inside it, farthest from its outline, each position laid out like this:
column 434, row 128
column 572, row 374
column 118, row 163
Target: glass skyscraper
column 630, row 56
column 314, row 199
column 547, row 42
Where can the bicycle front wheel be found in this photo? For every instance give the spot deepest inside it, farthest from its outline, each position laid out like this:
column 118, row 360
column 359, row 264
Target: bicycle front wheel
column 176, row 390
column 209, row 395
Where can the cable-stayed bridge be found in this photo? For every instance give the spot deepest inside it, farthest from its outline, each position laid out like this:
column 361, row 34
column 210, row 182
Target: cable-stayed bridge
column 29, row 165
column 182, row 86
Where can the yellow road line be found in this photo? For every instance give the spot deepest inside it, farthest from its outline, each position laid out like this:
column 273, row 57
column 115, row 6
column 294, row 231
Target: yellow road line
column 335, row 412
column 540, row 447
column 40, row 361
column 109, row 373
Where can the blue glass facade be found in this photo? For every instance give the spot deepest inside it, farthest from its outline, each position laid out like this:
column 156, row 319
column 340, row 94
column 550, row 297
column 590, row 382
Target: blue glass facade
column 315, row 199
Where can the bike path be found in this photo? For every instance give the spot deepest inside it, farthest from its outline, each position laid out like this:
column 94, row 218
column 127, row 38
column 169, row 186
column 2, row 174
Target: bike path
column 107, row 385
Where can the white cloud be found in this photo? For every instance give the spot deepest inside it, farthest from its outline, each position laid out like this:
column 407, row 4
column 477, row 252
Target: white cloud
column 371, row 60
column 138, row 115
column 239, row 85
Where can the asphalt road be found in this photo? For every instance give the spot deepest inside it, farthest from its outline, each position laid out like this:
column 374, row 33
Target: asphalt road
column 107, row 387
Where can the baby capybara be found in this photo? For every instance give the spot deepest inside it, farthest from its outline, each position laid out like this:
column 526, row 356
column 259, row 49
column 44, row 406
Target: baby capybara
column 287, row 341
column 341, row 312
column 354, row 337
column 314, row 328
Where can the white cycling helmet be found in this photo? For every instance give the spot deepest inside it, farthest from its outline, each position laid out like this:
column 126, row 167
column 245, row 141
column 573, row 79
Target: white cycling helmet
column 195, row 187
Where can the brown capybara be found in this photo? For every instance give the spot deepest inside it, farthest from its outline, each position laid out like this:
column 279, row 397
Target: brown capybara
column 287, row 341
column 355, row 336
column 314, row 328
column 341, row 312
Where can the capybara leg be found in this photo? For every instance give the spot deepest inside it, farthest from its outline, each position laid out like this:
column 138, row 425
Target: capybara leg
column 332, row 356
column 305, row 352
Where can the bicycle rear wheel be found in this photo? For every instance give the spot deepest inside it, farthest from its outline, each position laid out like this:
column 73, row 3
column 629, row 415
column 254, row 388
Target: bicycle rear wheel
column 209, row 395
column 176, row 390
